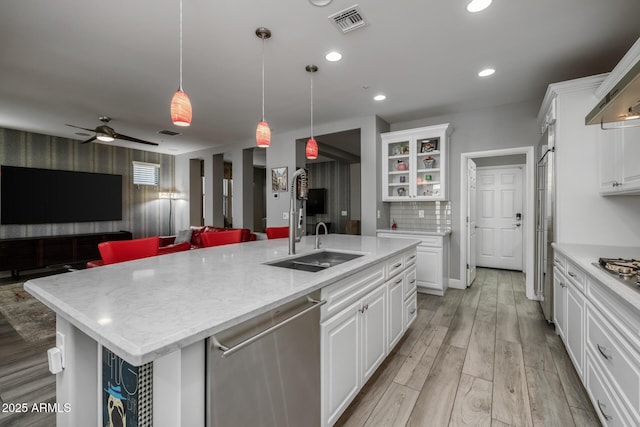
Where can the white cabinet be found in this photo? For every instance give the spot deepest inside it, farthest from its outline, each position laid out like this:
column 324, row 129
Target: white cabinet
column 619, row 151
column 414, row 164
column 396, row 296
column 575, row 321
column 560, row 303
column 360, row 323
column 432, row 261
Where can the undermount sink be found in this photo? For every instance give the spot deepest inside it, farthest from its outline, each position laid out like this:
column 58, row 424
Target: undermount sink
column 316, row 261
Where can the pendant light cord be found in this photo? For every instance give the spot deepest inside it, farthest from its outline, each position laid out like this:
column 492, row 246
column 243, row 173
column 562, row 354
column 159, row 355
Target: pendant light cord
column 181, row 46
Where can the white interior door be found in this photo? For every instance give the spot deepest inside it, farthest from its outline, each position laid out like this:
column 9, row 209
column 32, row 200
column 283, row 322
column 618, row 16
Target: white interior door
column 471, row 221
column 499, row 217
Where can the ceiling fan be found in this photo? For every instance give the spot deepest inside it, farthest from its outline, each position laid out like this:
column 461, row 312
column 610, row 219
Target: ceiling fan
column 107, row 134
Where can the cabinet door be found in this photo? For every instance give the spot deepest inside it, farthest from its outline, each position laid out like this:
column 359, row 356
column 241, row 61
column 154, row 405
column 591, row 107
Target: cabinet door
column 396, row 309
column 340, row 362
column 396, row 168
column 373, row 331
column 574, row 330
column 630, row 159
column 609, row 158
column 429, row 269
column 560, row 303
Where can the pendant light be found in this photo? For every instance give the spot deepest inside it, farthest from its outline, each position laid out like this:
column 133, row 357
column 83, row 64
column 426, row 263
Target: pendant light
column 180, row 103
column 311, row 150
column 263, row 133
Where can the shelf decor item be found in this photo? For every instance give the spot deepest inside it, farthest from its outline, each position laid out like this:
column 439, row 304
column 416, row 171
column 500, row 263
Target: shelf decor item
column 429, row 162
column 401, row 166
column 428, row 146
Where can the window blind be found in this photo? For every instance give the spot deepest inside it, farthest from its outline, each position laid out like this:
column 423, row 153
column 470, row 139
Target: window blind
column 146, row 173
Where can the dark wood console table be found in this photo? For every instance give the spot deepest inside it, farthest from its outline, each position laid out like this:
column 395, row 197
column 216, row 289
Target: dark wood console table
column 29, row 253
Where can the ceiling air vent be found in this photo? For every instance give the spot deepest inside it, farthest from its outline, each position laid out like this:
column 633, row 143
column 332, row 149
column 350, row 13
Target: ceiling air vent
column 348, row 19
column 168, row 132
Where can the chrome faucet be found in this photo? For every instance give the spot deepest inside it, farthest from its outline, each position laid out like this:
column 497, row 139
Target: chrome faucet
column 317, row 246
column 293, row 213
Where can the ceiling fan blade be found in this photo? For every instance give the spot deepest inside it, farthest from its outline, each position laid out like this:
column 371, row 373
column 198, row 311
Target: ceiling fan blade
column 78, row 127
column 93, row 138
column 132, row 139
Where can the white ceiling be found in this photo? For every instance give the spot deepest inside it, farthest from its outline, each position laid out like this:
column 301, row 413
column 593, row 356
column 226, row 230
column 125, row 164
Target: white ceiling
column 71, row 61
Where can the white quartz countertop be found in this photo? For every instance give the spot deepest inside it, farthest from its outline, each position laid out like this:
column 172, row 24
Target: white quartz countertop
column 417, row 232
column 147, row 308
column 585, row 255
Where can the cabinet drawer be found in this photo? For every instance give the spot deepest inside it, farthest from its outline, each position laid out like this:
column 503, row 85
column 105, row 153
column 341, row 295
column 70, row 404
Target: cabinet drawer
column 559, row 261
column 432, row 241
column 410, row 259
column 346, row 291
column 602, row 398
column 394, row 266
column 411, row 309
column 577, row 276
column 618, row 360
column 410, row 281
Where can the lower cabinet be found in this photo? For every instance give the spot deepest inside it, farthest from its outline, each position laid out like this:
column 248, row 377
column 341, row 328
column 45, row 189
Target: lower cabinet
column 356, row 338
column 560, row 303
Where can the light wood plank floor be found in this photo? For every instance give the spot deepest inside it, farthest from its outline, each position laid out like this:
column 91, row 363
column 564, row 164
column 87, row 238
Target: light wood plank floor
column 484, row 356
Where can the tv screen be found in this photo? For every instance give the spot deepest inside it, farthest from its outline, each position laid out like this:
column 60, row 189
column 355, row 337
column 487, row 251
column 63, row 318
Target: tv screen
column 44, row 196
column 316, row 201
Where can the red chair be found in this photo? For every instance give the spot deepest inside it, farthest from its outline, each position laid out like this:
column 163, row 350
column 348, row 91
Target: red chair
column 218, row 238
column 127, row 250
column 277, row 232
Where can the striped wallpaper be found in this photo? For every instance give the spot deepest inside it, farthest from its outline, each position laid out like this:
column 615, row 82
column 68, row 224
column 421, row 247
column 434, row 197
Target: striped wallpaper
column 143, row 213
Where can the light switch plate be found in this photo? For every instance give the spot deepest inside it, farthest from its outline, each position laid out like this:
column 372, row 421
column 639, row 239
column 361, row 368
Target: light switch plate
column 285, row 215
column 420, row 213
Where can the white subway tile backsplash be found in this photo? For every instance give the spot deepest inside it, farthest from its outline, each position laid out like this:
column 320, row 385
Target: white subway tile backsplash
column 436, row 215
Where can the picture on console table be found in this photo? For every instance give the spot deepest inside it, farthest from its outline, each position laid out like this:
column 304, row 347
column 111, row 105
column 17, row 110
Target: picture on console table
column 126, row 392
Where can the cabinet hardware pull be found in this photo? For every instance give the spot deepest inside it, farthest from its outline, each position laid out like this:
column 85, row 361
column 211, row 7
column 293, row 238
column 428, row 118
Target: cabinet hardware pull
column 600, row 406
column 412, row 311
column 412, row 257
column 227, row 351
column 572, row 274
column 412, row 281
column 398, row 281
column 398, row 265
column 364, row 308
column 602, row 350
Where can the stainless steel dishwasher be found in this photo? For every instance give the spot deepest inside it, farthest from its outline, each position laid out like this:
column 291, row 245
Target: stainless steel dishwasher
column 266, row 371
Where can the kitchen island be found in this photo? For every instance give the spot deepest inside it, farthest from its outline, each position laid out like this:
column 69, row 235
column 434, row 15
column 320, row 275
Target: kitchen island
column 157, row 313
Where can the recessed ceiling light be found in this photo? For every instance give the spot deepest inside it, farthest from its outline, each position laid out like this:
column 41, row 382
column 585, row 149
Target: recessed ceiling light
column 478, row 5
column 486, row 72
column 320, row 3
column 380, row 97
column 333, row 56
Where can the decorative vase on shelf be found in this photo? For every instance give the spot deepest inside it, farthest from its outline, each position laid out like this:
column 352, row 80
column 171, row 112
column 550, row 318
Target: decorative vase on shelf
column 429, row 162
column 401, row 166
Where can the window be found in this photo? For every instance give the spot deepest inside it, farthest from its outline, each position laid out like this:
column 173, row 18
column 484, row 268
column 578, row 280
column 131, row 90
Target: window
column 146, row 173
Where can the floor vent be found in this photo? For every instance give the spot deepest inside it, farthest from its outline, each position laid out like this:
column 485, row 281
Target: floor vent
column 168, row 132
column 348, row 19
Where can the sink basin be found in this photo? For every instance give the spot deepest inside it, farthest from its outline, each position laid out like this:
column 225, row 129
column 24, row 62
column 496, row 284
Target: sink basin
column 316, row 261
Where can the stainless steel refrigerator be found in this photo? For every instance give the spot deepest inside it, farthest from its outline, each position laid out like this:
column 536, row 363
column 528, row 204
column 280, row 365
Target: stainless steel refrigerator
column 545, row 212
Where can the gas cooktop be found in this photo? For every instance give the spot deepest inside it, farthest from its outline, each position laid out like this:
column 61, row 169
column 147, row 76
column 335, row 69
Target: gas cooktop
column 627, row 271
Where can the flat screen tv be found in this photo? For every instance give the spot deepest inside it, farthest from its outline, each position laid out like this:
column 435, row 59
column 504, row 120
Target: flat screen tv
column 316, row 201
column 45, row 196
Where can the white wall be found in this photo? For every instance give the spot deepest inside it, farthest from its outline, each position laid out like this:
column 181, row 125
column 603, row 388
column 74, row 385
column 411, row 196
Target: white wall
column 505, row 126
column 583, row 216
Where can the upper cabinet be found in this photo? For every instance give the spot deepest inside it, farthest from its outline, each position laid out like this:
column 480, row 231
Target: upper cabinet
column 619, row 151
column 414, row 164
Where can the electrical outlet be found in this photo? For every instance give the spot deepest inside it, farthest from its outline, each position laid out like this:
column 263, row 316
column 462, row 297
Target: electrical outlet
column 285, row 215
column 420, row 213
column 344, row 213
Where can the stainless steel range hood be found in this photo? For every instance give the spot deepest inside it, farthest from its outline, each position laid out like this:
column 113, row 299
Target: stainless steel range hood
column 620, row 92
column 621, row 101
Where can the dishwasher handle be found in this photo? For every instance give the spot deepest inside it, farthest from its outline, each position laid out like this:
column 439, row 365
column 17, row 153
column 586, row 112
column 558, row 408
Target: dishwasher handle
column 228, row 351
